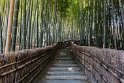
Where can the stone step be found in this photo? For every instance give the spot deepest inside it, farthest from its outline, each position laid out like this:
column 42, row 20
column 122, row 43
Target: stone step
column 64, row 62
column 65, row 65
column 71, row 74
column 64, row 58
column 65, row 54
column 67, row 77
column 65, row 73
column 62, row 81
column 65, row 68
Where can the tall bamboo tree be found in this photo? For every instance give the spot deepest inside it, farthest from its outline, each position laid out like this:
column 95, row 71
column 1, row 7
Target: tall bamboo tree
column 104, row 25
column 29, row 26
column 9, row 29
column 24, row 25
column 1, row 41
column 15, row 24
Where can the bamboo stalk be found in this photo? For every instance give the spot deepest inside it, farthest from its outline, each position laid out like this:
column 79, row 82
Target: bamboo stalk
column 24, row 25
column 9, row 30
column 104, row 25
column 1, row 41
column 29, row 26
column 15, row 25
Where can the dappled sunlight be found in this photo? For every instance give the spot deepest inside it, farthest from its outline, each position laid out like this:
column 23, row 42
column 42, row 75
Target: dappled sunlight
column 70, row 69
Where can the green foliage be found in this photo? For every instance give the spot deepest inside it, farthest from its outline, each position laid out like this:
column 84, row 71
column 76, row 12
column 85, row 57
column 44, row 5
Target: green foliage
column 49, row 21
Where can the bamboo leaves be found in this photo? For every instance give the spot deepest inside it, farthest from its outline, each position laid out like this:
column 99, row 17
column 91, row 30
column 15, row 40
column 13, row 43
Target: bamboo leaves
column 38, row 23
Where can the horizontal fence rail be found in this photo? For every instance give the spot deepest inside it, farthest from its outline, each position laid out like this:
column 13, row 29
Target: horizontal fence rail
column 101, row 65
column 23, row 66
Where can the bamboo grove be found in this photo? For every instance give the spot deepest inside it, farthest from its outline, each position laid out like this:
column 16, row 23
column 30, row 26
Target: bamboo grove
column 26, row 24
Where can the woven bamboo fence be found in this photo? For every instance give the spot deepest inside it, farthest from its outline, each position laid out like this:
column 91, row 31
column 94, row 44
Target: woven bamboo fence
column 23, row 66
column 101, row 65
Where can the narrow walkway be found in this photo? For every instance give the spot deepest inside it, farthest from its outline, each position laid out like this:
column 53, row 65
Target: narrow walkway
column 64, row 69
